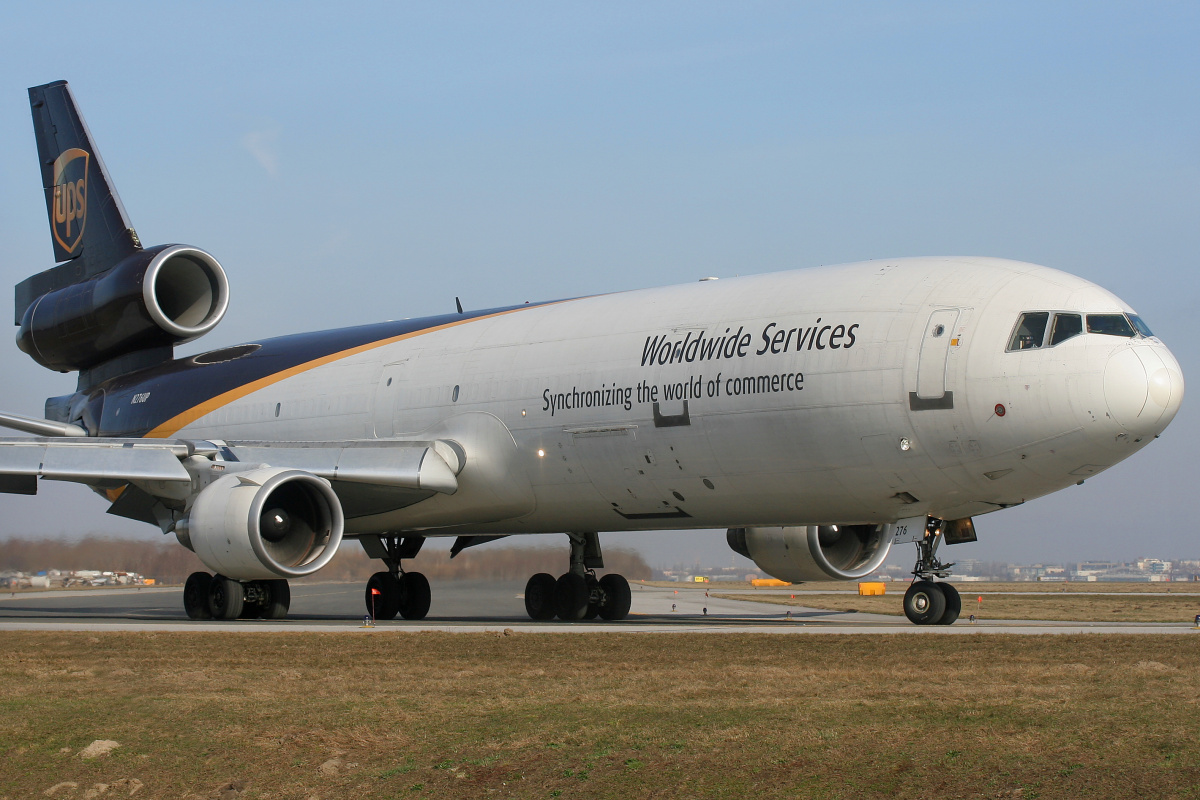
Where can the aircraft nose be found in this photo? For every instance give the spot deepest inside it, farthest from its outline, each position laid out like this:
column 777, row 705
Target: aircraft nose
column 1143, row 387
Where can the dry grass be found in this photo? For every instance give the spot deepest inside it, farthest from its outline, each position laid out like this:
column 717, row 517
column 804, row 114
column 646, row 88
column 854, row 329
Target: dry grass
column 620, row 716
column 1078, row 587
column 985, row 587
column 1110, row 607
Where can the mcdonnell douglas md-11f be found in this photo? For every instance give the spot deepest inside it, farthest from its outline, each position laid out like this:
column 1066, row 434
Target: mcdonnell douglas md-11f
column 820, row 415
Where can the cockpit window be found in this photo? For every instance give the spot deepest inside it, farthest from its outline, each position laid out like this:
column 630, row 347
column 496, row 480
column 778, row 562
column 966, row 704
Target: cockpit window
column 1110, row 325
column 1141, row 326
column 1030, row 331
column 1065, row 326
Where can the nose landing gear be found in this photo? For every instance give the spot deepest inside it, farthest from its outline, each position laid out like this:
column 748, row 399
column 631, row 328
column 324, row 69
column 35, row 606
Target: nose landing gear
column 930, row 602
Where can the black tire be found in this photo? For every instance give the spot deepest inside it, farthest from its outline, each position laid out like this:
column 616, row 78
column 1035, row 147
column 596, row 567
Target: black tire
column 279, row 599
column 953, row 604
column 540, row 593
column 195, row 596
column 386, row 604
column 571, row 597
column 415, row 595
column 252, row 609
column 617, row 597
column 225, row 598
column 924, row 603
column 594, row 595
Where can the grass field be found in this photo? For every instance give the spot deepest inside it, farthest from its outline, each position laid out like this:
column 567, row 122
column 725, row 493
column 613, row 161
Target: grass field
column 1068, row 606
column 898, row 587
column 609, row 716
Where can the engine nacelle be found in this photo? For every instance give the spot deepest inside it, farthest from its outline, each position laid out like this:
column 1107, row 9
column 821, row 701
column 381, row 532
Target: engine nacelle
column 814, row 552
column 164, row 295
column 265, row 523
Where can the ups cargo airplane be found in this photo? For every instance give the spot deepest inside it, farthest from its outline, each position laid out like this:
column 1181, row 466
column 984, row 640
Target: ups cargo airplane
column 820, row 415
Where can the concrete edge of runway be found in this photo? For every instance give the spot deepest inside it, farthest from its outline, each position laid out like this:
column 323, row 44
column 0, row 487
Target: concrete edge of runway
column 632, row 627
column 718, row 617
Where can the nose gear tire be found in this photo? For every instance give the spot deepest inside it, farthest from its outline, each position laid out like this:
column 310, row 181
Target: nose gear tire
column 953, row 604
column 924, row 603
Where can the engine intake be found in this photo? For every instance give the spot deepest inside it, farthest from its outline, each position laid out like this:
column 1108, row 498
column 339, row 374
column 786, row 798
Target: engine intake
column 814, row 552
column 161, row 296
column 265, row 523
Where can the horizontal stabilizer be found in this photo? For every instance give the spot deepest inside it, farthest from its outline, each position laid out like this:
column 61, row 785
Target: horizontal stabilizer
column 39, row 427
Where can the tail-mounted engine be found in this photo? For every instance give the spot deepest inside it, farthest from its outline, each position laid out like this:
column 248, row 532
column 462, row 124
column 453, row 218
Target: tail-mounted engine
column 814, row 552
column 264, row 523
column 161, row 296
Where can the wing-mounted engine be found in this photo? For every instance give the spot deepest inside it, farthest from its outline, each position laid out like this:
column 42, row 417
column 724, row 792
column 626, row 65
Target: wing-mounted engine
column 154, row 298
column 243, row 518
column 814, row 552
column 264, row 523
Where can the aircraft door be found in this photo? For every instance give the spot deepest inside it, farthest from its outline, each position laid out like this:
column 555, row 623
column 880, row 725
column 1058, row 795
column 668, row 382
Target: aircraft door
column 388, row 395
column 935, row 349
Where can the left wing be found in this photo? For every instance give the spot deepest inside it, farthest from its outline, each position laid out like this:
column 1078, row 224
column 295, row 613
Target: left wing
column 108, row 463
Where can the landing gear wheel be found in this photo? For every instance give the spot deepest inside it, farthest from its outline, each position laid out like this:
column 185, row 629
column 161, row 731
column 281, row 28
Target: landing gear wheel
column 617, row 597
column 195, row 596
column 924, row 603
column 253, row 594
column 386, row 603
column 540, row 594
column 225, row 598
column 279, row 599
column 953, row 604
column 595, row 596
column 414, row 595
column 571, row 597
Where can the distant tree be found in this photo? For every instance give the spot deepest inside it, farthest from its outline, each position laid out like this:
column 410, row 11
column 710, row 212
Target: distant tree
column 167, row 562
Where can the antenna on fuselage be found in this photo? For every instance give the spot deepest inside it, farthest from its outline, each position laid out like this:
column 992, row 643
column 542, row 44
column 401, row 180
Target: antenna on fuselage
column 458, row 303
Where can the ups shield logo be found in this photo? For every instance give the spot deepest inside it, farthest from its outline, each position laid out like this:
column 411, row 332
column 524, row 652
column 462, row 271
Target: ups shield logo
column 70, row 198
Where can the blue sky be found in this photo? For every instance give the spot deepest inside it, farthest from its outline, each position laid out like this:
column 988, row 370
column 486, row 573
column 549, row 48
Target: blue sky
column 355, row 164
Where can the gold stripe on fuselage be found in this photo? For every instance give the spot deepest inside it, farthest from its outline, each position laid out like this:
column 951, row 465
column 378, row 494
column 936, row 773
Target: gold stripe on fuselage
column 180, row 421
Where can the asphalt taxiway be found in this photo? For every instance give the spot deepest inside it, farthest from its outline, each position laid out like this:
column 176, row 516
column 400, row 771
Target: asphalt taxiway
column 473, row 606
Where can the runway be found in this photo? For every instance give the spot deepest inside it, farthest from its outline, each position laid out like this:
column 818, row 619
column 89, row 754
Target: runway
column 474, row 606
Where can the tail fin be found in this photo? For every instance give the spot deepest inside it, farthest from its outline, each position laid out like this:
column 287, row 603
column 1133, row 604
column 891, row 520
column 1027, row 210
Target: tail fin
column 112, row 307
column 88, row 225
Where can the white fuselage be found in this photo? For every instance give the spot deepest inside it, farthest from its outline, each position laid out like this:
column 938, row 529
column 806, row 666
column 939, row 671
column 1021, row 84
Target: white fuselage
column 861, row 393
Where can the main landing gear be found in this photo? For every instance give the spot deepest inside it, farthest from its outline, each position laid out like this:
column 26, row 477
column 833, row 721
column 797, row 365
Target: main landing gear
column 927, row 602
column 578, row 594
column 208, row 596
column 396, row 591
